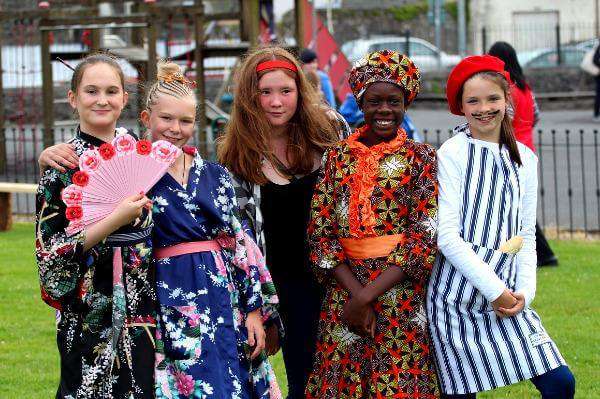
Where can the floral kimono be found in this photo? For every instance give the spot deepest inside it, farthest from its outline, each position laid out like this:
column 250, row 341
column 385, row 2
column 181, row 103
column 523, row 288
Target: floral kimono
column 105, row 328
column 205, row 295
column 369, row 193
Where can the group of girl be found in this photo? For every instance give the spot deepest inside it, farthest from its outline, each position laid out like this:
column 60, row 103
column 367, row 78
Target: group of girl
column 377, row 246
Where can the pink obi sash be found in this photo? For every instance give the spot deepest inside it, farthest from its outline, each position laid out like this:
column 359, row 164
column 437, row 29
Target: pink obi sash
column 194, row 247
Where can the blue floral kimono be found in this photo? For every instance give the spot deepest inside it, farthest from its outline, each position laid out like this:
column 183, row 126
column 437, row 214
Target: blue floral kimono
column 204, row 297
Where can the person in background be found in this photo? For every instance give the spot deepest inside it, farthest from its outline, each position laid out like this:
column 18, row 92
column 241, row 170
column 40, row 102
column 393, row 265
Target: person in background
column 340, row 122
column 524, row 113
column 596, row 61
column 310, row 63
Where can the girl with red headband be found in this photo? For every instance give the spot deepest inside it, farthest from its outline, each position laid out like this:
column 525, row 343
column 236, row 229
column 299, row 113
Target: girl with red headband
column 484, row 331
column 273, row 145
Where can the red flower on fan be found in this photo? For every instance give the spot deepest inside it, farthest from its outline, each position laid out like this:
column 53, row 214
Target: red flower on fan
column 143, row 147
column 107, row 151
column 74, row 212
column 80, row 178
column 190, row 150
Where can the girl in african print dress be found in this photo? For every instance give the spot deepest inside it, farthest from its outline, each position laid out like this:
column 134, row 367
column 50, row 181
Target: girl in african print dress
column 372, row 238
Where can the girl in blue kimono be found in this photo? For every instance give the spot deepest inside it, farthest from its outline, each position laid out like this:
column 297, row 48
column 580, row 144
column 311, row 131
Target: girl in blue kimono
column 210, row 328
column 213, row 289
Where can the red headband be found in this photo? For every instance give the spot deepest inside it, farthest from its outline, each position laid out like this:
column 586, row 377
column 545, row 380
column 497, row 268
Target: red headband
column 273, row 64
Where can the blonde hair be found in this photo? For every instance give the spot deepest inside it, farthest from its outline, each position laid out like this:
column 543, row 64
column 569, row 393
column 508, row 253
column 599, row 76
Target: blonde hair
column 170, row 81
column 246, row 139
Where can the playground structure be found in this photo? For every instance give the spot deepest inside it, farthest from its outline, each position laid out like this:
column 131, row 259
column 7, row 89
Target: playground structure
column 37, row 39
column 34, row 82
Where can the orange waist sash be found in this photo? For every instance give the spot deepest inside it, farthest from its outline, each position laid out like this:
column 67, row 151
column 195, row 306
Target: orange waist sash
column 370, row 247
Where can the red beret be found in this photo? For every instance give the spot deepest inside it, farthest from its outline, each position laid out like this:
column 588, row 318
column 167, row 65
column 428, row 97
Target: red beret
column 464, row 70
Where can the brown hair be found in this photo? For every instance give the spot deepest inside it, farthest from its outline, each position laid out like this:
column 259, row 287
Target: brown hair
column 170, row 81
column 507, row 135
column 246, row 139
column 93, row 59
column 313, row 79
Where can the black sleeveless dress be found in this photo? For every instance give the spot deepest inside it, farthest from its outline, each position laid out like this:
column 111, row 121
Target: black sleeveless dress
column 286, row 212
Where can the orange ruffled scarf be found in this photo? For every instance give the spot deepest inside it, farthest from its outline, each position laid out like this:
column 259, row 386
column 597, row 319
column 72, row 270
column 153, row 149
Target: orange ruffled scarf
column 361, row 216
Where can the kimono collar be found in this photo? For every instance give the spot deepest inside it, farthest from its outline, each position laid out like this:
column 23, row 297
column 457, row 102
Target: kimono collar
column 95, row 141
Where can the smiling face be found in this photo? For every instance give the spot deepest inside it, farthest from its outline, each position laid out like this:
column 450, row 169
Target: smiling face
column 171, row 119
column 278, row 97
column 383, row 106
column 99, row 98
column 484, row 105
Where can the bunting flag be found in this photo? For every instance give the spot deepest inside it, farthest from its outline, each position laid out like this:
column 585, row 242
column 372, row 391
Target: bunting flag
column 330, row 57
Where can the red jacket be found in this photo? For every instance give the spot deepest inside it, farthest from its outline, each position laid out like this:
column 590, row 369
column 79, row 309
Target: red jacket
column 524, row 115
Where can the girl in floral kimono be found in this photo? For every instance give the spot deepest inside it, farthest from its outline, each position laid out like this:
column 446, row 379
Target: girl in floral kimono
column 214, row 291
column 105, row 319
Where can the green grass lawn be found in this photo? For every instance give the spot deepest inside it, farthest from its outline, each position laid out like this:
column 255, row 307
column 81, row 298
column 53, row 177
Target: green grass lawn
column 567, row 300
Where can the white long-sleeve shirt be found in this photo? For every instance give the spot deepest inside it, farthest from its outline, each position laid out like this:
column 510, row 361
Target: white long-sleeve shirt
column 452, row 165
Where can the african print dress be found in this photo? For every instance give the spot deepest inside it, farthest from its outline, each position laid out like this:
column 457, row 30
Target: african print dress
column 369, row 192
column 204, row 296
column 105, row 328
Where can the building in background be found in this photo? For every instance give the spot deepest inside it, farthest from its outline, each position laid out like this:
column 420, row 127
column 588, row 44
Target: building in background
column 533, row 24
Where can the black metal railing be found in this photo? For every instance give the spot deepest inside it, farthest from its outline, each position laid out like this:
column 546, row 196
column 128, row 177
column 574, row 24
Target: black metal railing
column 568, row 161
column 568, row 179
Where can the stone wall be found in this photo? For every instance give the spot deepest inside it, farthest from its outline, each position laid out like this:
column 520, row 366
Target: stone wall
column 351, row 24
column 541, row 80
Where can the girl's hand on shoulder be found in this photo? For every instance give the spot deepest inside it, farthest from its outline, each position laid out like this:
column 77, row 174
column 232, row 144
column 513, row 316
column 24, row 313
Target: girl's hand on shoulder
column 256, row 332
column 517, row 308
column 59, row 157
column 130, row 209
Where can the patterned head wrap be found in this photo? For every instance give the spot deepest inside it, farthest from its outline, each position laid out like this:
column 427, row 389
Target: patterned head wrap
column 385, row 66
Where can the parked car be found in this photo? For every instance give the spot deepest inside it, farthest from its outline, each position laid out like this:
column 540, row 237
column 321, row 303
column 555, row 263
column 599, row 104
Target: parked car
column 571, row 57
column 424, row 54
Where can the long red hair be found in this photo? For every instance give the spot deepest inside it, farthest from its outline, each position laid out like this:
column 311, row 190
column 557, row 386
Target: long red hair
column 245, row 142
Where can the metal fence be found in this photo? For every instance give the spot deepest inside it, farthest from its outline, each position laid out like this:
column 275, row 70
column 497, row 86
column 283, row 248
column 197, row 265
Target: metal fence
column 568, row 160
column 568, row 179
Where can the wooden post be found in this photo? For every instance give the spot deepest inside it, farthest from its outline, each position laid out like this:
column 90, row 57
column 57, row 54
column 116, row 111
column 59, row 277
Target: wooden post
column 300, row 18
column 250, row 21
column 137, row 34
column 198, row 16
column 5, row 211
column 47, row 88
column 152, row 34
column 2, row 135
column 96, row 33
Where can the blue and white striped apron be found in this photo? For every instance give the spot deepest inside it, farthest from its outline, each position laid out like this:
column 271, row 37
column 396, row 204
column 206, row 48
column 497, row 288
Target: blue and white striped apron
column 474, row 349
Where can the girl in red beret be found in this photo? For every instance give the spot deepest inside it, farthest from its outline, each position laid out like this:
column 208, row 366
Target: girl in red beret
column 484, row 331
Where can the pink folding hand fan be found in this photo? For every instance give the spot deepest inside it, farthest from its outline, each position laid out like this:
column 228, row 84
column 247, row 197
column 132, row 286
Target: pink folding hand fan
column 111, row 173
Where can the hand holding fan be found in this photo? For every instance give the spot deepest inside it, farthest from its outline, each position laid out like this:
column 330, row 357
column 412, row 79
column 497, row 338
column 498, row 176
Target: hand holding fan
column 111, row 173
